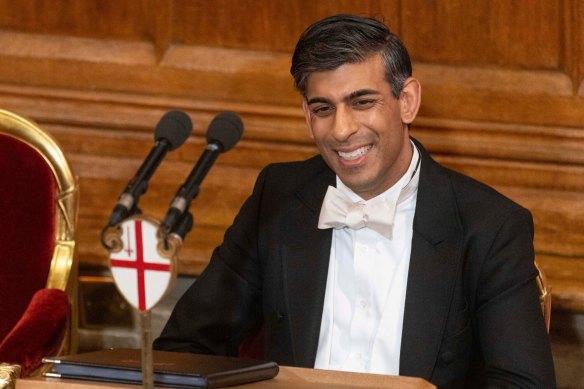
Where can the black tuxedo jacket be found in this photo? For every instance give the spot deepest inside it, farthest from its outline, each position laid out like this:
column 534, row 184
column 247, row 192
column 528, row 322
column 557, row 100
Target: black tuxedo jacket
column 472, row 316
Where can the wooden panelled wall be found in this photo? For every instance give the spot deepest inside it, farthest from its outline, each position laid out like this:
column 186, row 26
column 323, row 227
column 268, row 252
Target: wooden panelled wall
column 503, row 101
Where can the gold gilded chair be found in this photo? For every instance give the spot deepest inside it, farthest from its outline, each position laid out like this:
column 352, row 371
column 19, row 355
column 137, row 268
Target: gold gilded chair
column 38, row 208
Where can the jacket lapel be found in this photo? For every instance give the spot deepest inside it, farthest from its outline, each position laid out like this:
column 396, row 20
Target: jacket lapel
column 434, row 265
column 306, row 254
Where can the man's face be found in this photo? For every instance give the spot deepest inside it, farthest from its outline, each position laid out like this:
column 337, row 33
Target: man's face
column 357, row 126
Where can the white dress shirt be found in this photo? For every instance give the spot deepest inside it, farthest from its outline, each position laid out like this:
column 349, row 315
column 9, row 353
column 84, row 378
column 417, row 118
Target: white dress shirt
column 363, row 312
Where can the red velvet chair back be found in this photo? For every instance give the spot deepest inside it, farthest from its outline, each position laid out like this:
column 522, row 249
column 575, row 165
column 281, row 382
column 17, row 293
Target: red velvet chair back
column 27, row 231
column 38, row 205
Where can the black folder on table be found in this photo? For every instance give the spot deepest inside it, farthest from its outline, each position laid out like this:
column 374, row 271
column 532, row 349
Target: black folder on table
column 179, row 370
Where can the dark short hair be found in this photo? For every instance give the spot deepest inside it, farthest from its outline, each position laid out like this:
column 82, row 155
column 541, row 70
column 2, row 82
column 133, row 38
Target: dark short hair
column 343, row 39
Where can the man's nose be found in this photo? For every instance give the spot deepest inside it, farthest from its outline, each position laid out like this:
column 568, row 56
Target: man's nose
column 345, row 124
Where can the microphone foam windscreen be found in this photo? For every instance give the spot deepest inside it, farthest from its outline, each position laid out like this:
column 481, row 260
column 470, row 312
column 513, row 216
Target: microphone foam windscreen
column 175, row 127
column 226, row 128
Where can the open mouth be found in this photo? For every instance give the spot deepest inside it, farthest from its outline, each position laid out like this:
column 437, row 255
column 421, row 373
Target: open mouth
column 352, row 155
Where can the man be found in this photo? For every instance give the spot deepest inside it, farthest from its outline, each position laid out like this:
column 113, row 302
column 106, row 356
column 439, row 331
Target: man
column 371, row 257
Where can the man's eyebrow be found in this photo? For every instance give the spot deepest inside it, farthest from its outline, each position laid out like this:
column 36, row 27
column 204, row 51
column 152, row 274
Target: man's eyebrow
column 318, row 100
column 361, row 92
column 349, row 97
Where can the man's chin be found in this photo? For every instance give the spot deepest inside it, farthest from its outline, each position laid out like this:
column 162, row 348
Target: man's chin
column 353, row 183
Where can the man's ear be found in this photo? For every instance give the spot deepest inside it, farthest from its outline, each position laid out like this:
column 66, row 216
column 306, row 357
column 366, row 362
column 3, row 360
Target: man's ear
column 409, row 99
column 306, row 110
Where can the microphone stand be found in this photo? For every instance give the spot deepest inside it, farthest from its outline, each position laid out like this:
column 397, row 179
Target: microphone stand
column 147, row 362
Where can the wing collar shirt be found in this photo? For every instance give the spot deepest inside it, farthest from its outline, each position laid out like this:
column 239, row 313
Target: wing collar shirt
column 363, row 312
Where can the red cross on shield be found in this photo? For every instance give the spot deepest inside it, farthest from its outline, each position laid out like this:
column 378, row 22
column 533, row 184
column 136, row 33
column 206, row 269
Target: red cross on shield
column 142, row 276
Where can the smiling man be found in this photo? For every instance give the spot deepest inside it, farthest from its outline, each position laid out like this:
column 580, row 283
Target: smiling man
column 371, row 257
column 360, row 128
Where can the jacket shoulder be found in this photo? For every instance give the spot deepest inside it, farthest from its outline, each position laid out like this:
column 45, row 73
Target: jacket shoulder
column 292, row 175
column 473, row 193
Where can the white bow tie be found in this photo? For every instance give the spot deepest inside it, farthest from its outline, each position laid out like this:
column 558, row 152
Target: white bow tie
column 339, row 211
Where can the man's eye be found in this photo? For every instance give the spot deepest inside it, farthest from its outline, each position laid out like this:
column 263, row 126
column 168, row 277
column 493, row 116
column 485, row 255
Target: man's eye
column 322, row 110
column 364, row 103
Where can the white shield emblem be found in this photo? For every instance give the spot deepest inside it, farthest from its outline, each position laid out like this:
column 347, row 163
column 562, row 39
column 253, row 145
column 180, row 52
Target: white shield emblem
column 142, row 276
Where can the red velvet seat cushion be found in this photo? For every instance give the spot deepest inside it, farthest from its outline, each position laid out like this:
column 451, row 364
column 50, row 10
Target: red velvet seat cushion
column 39, row 332
column 27, row 228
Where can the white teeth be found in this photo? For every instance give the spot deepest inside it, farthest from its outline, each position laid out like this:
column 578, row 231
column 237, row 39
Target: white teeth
column 355, row 153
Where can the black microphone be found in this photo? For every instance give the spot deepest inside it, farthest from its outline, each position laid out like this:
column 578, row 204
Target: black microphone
column 224, row 132
column 172, row 131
